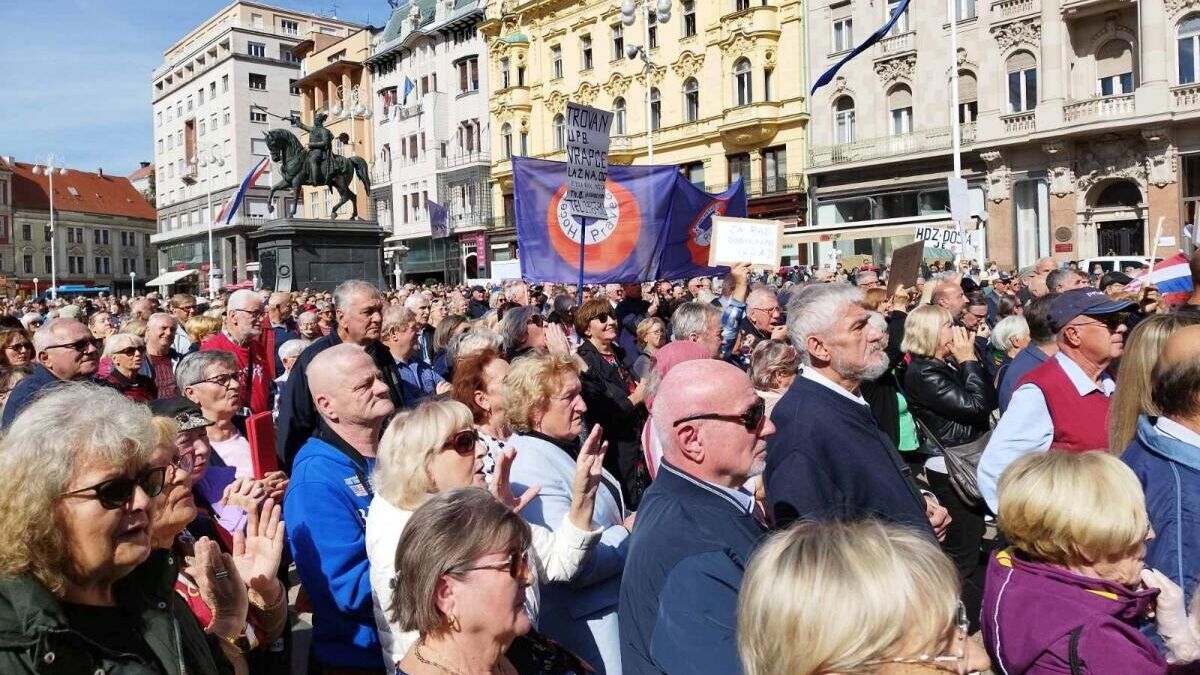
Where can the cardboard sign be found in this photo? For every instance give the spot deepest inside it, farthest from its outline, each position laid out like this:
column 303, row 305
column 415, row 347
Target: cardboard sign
column 937, row 237
column 756, row 241
column 587, row 159
column 906, row 266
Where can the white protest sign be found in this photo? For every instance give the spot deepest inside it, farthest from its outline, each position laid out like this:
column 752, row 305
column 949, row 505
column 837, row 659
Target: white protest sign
column 587, row 159
column 734, row 240
column 960, row 200
column 937, row 237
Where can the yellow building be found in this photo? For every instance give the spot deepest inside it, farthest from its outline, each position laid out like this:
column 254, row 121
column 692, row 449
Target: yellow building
column 334, row 81
column 726, row 93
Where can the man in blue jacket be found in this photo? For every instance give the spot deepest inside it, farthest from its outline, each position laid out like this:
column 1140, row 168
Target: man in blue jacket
column 696, row 527
column 327, row 501
column 65, row 351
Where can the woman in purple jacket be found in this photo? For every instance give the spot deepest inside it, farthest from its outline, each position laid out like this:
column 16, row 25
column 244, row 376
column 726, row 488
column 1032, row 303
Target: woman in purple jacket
column 1068, row 595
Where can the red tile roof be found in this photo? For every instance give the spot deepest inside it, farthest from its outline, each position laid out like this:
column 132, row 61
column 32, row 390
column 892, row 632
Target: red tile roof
column 141, row 173
column 79, row 191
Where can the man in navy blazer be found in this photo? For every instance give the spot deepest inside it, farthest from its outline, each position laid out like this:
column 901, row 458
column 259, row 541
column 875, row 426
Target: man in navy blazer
column 696, row 527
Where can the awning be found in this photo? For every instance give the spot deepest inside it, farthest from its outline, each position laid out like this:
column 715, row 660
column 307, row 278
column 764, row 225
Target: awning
column 168, row 278
column 864, row 229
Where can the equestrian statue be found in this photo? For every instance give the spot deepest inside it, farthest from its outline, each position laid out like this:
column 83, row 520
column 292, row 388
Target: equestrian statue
column 316, row 165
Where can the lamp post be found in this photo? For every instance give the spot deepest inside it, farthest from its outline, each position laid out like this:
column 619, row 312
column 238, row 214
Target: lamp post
column 206, row 159
column 662, row 13
column 132, row 275
column 35, row 288
column 49, row 169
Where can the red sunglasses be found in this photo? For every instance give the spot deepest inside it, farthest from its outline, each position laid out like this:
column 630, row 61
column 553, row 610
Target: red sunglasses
column 464, row 442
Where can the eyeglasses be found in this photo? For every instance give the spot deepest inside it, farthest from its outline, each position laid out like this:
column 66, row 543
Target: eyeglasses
column 129, row 351
column 80, row 345
column 115, row 493
column 464, row 442
column 515, row 565
column 961, row 625
column 602, row 317
column 536, row 320
column 21, row 347
column 751, row 419
column 256, row 314
column 1110, row 321
column 187, row 308
column 223, row 380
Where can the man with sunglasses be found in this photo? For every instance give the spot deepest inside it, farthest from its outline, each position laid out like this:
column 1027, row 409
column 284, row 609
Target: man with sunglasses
column 1063, row 403
column 696, row 524
column 183, row 306
column 65, row 352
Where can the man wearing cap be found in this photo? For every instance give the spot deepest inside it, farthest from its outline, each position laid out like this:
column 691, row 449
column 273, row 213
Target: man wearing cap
column 1113, row 283
column 1063, row 403
column 478, row 305
column 1000, row 286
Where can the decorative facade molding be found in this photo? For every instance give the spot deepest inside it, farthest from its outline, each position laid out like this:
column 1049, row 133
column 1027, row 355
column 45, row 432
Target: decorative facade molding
column 556, row 102
column 1162, row 157
column 1062, row 178
column 738, row 45
column 1177, row 7
column 656, row 76
column 1026, row 33
column 1110, row 156
column 896, row 70
column 688, row 64
column 617, row 85
column 999, row 176
column 585, row 94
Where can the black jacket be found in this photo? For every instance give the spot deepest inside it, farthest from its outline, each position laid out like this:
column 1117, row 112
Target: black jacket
column 606, row 393
column 881, row 393
column 954, row 404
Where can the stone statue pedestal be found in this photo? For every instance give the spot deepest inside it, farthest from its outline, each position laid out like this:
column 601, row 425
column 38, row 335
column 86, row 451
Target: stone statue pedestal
column 299, row 253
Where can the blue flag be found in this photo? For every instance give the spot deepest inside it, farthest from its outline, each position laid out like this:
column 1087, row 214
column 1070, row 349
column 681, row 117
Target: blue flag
column 685, row 250
column 827, row 76
column 439, row 223
column 409, row 85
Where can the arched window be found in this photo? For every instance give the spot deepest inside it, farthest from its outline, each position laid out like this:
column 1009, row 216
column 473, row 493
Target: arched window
column 655, row 109
column 743, row 87
column 1022, row 82
column 1114, row 68
column 1121, row 193
column 506, row 140
column 900, row 110
column 560, row 132
column 619, row 116
column 843, row 120
column 1189, row 48
column 968, row 97
column 691, row 100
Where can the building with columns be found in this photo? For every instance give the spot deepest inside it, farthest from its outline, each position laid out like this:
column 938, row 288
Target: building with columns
column 725, row 97
column 1077, row 120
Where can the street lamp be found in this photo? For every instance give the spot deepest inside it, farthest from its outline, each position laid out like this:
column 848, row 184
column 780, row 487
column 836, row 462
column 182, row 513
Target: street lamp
column 662, row 14
column 49, row 169
column 35, row 288
column 131, row 277
column 206, row 159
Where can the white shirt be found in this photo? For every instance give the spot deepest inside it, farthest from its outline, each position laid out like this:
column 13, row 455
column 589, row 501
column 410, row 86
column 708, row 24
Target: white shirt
column 235, row 452
column 813, row 375
column 1177, row 431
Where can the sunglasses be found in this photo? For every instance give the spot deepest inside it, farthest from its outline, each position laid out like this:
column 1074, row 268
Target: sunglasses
column 536, row 320
column 129, row 351
column 22, row 347
column 602, row 317
column 115, row 493
column 515, row 565
column 751, row 419
column 80, row 345
column 464, row 442
column 1110, row 321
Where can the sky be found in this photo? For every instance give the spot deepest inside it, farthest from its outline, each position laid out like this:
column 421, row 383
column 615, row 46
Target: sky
column 75, row 74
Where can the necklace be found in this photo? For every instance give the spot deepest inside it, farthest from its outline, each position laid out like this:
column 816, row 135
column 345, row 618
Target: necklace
column 435, row 664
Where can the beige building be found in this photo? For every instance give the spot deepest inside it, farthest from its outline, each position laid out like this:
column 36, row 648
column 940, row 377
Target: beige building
column 725, row 97
column 1077, row 118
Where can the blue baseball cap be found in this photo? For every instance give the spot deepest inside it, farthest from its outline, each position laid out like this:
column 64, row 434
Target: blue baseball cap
column 1083, row 301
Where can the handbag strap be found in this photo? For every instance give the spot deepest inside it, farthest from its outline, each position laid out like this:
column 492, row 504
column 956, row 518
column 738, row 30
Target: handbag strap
column 929, row 435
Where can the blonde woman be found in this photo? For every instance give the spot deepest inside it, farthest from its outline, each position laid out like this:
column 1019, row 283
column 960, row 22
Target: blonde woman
column 651, row 336
column 125, row 353
column 200, row 327
column 1132, row 398
column 852, row 597
column 773, row 367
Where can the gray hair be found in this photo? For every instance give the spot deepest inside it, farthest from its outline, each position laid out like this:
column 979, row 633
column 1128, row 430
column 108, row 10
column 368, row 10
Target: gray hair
column 415, row 300
column 691, row 318
column 47, row 335
column 162, row 316
column 563, row 303
column 293, row 347
column 760, row 295
column 194, row 367
column 345, row 292
column 514, row 327
column 815, row 310
column 473, row 341
column 396, row 316
column 118, row 341
column 769, row 359
column 1008, row 328
column 241, row 299
column 305, row 316
column 863, row 275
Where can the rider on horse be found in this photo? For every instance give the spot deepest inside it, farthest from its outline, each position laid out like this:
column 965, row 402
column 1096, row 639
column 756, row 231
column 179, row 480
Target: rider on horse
column 320, row 140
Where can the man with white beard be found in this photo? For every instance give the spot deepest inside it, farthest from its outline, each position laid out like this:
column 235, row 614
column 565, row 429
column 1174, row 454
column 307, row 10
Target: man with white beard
column 828, row 459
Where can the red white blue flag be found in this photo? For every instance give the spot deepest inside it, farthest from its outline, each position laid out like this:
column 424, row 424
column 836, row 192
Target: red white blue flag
column 229, row 210
column 1172, row 277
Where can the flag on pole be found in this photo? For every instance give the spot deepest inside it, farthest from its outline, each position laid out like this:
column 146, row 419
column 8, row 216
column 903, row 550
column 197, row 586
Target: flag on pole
column 230, row 208
column 409, row 85
column 439, row 222
column 827, row 76
column 1172, row 277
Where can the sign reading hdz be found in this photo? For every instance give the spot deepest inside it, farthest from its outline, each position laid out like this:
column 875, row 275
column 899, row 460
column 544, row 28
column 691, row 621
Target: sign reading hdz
column 938, row 237
column 587, row 159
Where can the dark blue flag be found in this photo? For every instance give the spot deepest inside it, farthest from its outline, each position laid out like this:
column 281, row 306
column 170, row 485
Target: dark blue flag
column 827, row 76
column 439, row 222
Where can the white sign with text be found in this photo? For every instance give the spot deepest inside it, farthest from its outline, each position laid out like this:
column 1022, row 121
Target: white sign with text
column 937, row 237
column 587, row 159
column 753, row 240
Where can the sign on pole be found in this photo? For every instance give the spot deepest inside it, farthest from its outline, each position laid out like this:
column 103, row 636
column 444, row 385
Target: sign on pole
column 960, row 201
column 756, row 241
column 938, row 237
column 587, row 159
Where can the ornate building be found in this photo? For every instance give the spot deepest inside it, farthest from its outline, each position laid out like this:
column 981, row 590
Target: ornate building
column 725, row 97
column 1077, row 120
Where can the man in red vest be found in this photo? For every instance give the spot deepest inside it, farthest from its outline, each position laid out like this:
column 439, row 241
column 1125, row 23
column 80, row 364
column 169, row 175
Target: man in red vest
column 1063, row 403
column 244, row 337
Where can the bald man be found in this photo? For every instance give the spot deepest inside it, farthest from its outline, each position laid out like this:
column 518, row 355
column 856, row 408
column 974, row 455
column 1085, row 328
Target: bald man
column 696, row 527
column 327, row 502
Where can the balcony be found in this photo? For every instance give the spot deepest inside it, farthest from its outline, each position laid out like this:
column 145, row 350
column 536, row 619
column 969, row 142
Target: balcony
column 750, row 124
column 758, row 19
column 897, row 44
column 765, row 187
column 1103, row 107
column 1019, row 123
column 514, row 97
column 405, row 112
column 920, row 141
column 1187, row 96
column 464, row 159
column 1081, row 8
column 381, row 174
column 1013, row 9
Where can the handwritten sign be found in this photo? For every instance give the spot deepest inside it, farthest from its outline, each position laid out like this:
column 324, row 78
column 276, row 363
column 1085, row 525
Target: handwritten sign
column 906, row 265
column 587, row 159
column 937, row 237
column 758, row 242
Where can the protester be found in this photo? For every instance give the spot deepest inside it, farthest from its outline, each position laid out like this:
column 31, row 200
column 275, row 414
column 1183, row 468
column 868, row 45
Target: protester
column 16, row 348
column 1043, row 336
column 127, row 353
column 65, row 351
column 478, row 305
column 161, row 359
column 1008, row 338
column 447, row 328
column 773, row 368
column 948, row 294
column 651, row 336
column 400, row 332
column 763, row 316
column 210, row 380
column 479, row 384
column 307, row 326
column 199, row 329
column 698, row 322
column 242, row 337
column 420, row 307
column 544, row 405
column 9, row 377
column 326, row 313
column 283, row 328
column 629, row 311
column 897, row 608
column 1134, row 398
column 696, row 525
column 523, row 329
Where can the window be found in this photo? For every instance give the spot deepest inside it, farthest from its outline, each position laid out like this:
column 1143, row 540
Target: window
column 691, row 100
column 739, row 166
column 224, row 83
column 258, row 146
column 100, row 237
column 504, row 81
column 290, row 27
column 202, row 127
column 160, row 145
column 258, row 81
column 292, row 88
column 963, row 10
column 1189, row 48
column 27, row 264
column 655, row 109
column 524, row 143
column 689, row 18
column 102, row 263
column 694, row 173
column 506, row 140
column 618, row 42
column 901, row 25
column 257, row 115
column 1022, row 82
column 585, row 44
column 743, row 88
column 200, row 96
column 774, row 168
column 619, row 116
column 225, row 119
column 843, row 120
column 652, row 29
column 741, row 5
column 843, row 27
column 158, row 119
column 26, row 231
column 768, row 84
column 256, row 49
column 189, row 104
column 900, row 111
column 560, row 132
column 468, row 75
column 212, row 89
column 1114, row 68
column 520, row 76
column 968, row 95
column 75, row 264
column 46, row 263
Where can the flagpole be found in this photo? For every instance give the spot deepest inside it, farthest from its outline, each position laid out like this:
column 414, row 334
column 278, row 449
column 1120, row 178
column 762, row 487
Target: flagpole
column 955, row 140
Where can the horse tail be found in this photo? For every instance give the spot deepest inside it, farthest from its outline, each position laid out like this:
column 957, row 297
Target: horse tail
column 361, row 170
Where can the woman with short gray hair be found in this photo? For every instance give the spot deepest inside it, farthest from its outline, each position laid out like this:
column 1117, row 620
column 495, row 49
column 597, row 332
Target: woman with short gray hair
column 126, row 352
column 523, row 329
column 773, row 367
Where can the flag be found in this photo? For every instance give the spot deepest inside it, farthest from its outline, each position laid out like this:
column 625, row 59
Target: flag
column 1172, row 277
column 409, row 85
column 439, row 223
column 878, row 35
column 685, row 250
column 229, row 210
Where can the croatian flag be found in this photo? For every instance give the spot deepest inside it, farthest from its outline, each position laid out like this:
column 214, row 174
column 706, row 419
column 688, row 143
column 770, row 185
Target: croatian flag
column 229, row 210
column 878, row 35
column 1172, row 277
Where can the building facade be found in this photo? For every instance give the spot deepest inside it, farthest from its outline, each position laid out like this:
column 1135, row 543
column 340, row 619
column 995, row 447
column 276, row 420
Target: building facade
column 7, row 255
column 213, row 97
column 1077, row 120
column 432, row 141
column 725, row 98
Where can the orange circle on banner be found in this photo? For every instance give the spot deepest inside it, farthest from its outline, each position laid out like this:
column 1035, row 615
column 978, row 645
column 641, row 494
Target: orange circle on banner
column 699, row 250
column 610, row 242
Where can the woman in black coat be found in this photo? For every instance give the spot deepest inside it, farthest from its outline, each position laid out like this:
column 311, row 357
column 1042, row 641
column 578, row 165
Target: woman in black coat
column 951, row 396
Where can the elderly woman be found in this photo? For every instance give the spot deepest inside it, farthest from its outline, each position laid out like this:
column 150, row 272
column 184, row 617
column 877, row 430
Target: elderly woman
column 897, row 599
column 325, row 318
column 81, row 590
column 563, row 314
column 127, row 352
column 479, row 384
column 9, row 377
column 210, row 380
column 1009, row 337
column 651, row 336
column 435, row 448
column 16, row 348
column 447, row 328
column 200, row 327
column 308, row 325
column 1071, row 589
column 523, row 329
column 543, row 400
column 773, row 367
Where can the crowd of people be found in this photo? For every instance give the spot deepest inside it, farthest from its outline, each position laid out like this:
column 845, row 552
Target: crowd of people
column 793, row 472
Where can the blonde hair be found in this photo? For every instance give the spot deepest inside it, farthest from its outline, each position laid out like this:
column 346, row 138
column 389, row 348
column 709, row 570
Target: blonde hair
column 893, row 587
column 134, row 327
column 1072, row 508
column 200, row 327
column 922, row 330
column 532, row 380
column 873, row 298
column 411, row 440
column 1134, row 396
column 646, row 325
column 118, row 341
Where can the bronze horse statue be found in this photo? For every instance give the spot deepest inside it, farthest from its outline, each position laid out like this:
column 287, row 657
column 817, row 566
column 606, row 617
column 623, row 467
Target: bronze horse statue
column 290, row 155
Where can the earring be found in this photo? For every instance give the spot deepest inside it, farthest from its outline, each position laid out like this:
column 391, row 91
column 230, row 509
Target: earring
column 452, row 622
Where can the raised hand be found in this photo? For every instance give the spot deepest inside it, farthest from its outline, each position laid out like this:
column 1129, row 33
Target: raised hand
column 501, row 486
column 589, row 466
column 556, row 339
column 257, row 553
column 275, row 485
column 220, row 585
column 244, row 493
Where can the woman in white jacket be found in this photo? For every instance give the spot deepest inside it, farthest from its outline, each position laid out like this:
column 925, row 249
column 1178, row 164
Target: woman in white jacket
column 435, row 448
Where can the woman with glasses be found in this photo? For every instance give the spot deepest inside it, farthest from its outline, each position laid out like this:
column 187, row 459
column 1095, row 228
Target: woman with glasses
column 523, row 329
column 210, row 380
column 16, row 348
column 435, row 448
column 831, row 597
column 127, row 353
column 651, row 337
column 81, row 589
